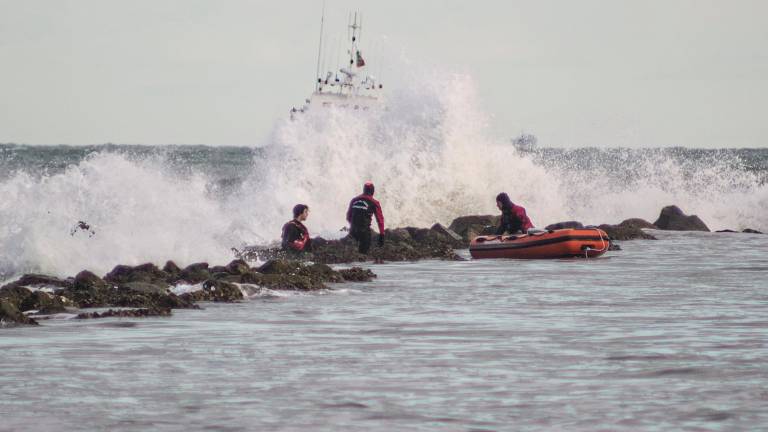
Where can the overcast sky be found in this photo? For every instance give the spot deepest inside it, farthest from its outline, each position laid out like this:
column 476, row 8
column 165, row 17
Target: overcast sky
column 575, row 73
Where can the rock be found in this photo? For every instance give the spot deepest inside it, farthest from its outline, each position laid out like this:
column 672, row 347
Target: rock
column 319, row 241
column 145, row 288
column 673, row 219
column 638, row 223
column 317, row 273
column 238, row 267
column 195, row 273
column 171, row 268
column 14, row 293
column 148, row 273
column 469, row 227
column 87, row 280
column 279, row 266
column 43, row 303
column 447, row 232
column 564, row 225
column 218, row 269
column 88, row 290
column 145, row 295
column 629, row 232
column 126, row 313
column 216, row 291
column 398, row 235
column 43, row 280
column 357, row 274
column 10, row 315
column 281, row 282
column 746, row 231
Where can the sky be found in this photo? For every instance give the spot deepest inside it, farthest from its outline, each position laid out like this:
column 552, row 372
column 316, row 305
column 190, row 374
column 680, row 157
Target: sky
column 574, row 73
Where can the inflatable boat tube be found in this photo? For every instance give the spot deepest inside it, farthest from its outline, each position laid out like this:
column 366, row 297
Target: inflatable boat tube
column 564, row 243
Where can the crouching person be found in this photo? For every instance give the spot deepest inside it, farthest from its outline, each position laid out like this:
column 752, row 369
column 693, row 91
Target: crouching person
column 295, row 233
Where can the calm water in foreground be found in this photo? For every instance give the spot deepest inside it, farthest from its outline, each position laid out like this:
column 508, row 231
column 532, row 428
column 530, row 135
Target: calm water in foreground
column 665, row 335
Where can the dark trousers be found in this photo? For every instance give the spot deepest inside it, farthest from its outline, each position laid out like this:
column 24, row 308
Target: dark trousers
column 363, row 237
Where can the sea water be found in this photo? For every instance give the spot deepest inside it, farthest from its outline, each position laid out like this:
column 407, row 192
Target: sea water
column 663, row 335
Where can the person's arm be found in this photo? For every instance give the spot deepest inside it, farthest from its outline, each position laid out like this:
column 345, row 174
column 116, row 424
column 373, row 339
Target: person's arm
column 292, row 238
column 349, row 211
column 286, row 236
column 299, row 245
column 379, row 216
column 503, row 222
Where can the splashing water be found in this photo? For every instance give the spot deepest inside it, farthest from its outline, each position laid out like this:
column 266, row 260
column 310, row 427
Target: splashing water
column 432, row 158
column 429, row 153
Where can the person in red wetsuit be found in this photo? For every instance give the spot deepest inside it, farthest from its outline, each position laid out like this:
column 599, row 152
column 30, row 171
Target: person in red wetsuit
column 513, row 217
column 361, row 210
column 295, row 234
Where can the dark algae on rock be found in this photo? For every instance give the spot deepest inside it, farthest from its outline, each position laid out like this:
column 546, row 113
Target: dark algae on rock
column 145, row 290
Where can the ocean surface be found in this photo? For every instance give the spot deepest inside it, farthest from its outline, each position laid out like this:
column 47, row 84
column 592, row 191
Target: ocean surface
column 662, row 335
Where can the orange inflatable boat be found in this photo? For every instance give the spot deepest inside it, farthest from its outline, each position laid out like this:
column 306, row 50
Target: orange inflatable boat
column 564, row 243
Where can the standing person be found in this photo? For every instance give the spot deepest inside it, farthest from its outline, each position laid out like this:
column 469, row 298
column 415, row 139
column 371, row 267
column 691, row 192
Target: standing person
column 513, row 217
column 295, row 234
column 359, row 215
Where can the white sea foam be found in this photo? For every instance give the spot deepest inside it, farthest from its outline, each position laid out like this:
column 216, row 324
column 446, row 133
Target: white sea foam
column 430, row 154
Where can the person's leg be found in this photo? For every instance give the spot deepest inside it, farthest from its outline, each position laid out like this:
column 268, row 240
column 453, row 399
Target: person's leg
column 364, row 239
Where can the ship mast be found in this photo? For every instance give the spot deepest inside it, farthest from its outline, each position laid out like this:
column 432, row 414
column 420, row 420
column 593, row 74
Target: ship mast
column 319, row 49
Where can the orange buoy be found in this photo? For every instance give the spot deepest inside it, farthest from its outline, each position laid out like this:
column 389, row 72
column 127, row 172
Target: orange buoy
column 564, row 243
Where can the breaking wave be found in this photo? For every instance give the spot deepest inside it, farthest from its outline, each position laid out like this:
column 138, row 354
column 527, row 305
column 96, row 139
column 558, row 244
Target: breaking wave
column 429, row 152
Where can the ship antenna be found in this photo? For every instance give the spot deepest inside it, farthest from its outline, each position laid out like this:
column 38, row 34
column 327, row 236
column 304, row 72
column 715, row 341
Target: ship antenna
column 319, row 49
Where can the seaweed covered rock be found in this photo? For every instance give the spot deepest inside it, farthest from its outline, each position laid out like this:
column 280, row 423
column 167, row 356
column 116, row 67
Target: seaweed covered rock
column 282, row 281
column 10, row 315
column 238, row 267
column 145, row 295
column 171, row 268
column 148, row 273
column 125, row 313
column 88, row 290
column 14, row 293
column 34, row 280
column 215, row 291
column 194, row 273
column 469, row 227
column 673, row 219
column 357, row 274
column 43, row 302
column 625, row 232
column 564, row 225
column 638, row 223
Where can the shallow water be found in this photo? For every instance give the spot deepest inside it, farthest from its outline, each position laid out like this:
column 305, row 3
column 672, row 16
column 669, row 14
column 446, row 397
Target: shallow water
column 664, row 335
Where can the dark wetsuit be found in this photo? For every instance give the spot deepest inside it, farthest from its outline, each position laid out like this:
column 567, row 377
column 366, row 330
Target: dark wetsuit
column 514, row 219
column 296, row 237
column 361, row 210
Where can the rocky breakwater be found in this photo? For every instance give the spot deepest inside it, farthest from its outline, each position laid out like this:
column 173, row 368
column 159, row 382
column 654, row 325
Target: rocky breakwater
column 146, row 290
column 400, row 244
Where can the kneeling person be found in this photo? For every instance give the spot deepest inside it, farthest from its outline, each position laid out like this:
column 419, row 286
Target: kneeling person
column 295, row 234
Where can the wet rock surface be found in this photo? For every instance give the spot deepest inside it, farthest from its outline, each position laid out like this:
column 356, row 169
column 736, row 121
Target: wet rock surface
column 145, row 290
column 564, row 225
column 673, row 219
column 125, row 313
column 624, row 231
column 469, row 227
column 400, row 244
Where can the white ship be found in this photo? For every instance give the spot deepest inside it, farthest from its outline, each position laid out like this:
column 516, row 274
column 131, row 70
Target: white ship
column 349, row 87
